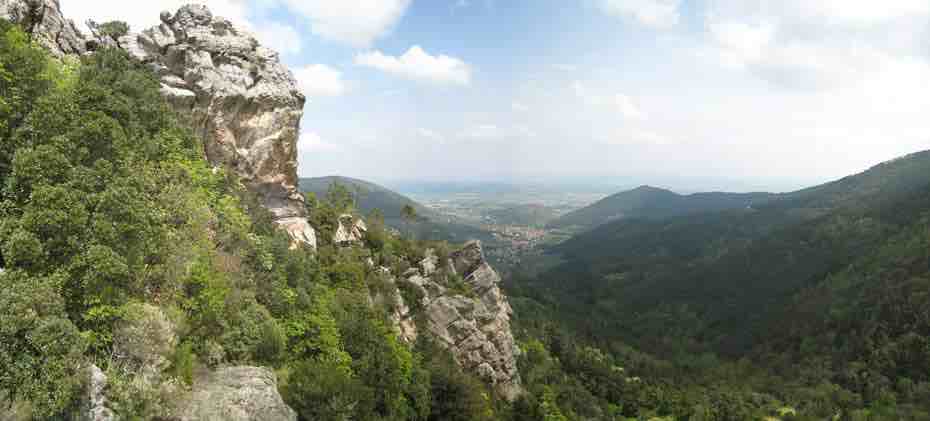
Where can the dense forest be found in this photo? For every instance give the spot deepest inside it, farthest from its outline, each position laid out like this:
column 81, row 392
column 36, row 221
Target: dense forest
column 816, row 300
column 113, row 227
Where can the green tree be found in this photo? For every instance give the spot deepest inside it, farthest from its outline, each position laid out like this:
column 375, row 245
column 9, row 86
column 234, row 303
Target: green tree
column 409, row 214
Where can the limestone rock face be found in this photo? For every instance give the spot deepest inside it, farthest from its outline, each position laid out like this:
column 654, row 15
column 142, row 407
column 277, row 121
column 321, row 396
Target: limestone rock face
column 351, row 230
column 239, row 96
column 475, row 328
column 44, row 21
column 237, row 394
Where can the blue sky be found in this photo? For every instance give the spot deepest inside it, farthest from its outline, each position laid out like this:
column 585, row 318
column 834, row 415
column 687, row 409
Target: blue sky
column 768, row 94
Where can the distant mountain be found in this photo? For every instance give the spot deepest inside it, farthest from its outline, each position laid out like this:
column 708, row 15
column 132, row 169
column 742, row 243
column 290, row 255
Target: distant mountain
column 725, row 279
column 654, row 203
column 434, row 225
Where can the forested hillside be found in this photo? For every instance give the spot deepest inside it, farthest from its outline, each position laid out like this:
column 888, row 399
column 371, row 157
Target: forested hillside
column 123, row 249
column 647, row 202
column 820, row 294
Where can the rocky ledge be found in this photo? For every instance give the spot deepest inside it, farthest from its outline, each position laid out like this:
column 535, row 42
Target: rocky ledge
column 473, row 322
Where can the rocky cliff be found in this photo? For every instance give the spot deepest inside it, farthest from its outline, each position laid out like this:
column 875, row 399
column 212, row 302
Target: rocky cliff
column 465, row 312
column 236, row 93
column 239, row 96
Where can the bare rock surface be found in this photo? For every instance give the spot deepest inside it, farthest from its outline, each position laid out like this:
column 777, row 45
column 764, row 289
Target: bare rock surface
column 237, row 394
column 239, row 96
column 351, row 230
column 44, row 21
column 475, row 328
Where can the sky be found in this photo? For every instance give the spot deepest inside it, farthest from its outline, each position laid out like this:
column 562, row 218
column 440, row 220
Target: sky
column 761, row 94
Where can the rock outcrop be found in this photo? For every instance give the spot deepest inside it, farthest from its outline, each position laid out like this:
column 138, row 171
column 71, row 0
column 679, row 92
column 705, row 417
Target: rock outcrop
column 236, row 93
column 44, row 21
column 239, row 96
column 351, row 230
column 237, row 394
column 473, row 324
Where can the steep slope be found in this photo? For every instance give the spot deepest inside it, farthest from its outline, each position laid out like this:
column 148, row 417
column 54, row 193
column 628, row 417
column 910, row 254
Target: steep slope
column 723, row 276
column 141, row 239
column 654, row 203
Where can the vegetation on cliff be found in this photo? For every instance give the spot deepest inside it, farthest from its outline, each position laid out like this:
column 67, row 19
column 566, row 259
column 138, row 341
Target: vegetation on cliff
column 115, row 228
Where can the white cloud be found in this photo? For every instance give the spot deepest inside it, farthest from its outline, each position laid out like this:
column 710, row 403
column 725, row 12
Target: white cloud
column 565, row 67
column 636, row 136
column 815, row 43
column 495, row 132
column 312, row 142
column 659, row 14
column 357, row 22
column 430, row 135
column 318, row 80
column 417, row 64
column 621, row 103
column 518, row 107
column 281, row 38
column 628, row 109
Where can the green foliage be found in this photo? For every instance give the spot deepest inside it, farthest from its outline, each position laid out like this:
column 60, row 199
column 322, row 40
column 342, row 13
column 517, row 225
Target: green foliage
column 113, row 29
column 321, row 391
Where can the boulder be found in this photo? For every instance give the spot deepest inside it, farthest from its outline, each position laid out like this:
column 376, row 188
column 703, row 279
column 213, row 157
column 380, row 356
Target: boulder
column 237, row 394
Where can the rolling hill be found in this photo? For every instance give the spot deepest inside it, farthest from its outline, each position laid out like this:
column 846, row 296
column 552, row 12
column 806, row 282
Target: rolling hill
column 654, row 203
column 724, row 279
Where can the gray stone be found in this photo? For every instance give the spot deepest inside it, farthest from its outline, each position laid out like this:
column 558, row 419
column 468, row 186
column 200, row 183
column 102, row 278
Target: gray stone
column 239, row 97
column 237, row 394
column 351, row 230
column 44, row 21
column 476, row 330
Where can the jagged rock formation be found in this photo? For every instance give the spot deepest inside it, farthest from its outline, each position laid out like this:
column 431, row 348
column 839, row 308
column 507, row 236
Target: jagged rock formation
column 351, row 230
column 237, row 394
column 474, row 327
column 237, row 94
column 43, row 20
column 239, row 97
